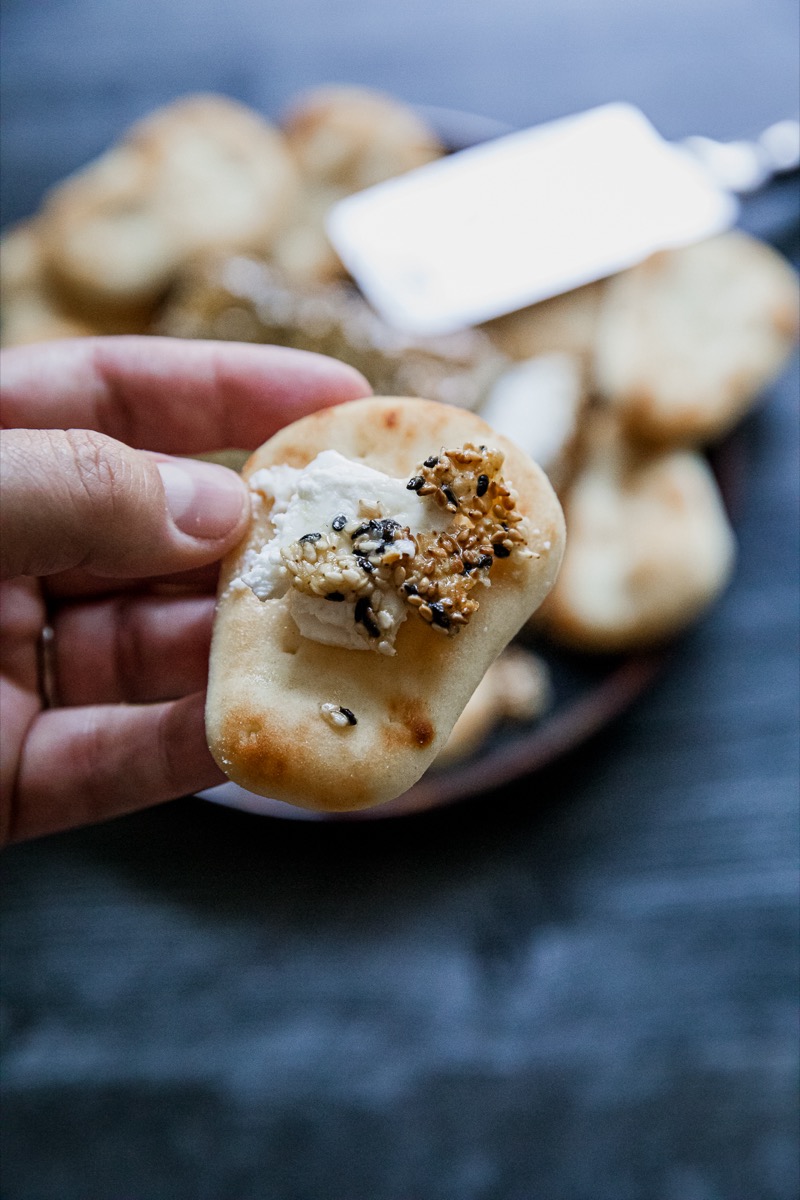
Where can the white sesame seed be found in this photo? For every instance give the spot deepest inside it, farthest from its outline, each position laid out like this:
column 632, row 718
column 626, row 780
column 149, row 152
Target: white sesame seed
column 333, row 714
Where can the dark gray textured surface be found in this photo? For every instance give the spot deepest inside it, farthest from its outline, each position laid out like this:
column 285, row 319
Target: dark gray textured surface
column 581, row 988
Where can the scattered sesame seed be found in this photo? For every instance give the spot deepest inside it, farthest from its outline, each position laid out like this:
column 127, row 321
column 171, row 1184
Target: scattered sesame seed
column 337, row 715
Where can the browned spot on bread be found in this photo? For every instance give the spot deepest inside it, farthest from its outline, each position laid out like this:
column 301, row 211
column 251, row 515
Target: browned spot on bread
column 257, row 752
column 390, row 419
column 409, row 723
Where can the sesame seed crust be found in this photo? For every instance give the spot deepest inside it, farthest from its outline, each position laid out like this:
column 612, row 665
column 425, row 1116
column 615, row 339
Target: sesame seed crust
column 367, row 557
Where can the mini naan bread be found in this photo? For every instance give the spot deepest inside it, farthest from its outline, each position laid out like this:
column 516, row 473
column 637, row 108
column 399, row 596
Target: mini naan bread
column 351, row 138
column 687, row 340
column 279, row 704
column 343, row 139
column 200, row 174
column 650, row 545
column 565, row 324
column 29, row 312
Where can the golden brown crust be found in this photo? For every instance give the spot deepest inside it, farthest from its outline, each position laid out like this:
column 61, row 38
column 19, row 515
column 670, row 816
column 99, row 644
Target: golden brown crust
column 267, row 682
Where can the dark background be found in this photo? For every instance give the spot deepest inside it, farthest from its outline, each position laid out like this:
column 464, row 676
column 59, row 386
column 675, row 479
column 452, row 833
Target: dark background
column 582, row 987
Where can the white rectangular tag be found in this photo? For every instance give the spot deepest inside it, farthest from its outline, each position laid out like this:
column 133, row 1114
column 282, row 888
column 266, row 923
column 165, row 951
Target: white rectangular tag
column 522, row 218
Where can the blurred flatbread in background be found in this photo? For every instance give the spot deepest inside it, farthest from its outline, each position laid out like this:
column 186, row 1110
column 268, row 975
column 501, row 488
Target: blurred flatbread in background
column 29, row 310
column 687, row 340
column 352, row 138
column 566, row 324
column 203, row 172
column 302, row 251
column 343, row 139
column 649, row 545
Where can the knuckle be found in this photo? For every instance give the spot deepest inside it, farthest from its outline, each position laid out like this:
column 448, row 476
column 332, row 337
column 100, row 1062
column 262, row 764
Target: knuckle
column 101, row 468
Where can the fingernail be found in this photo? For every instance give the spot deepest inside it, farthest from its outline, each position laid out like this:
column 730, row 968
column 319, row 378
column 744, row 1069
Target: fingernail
column 204, row 500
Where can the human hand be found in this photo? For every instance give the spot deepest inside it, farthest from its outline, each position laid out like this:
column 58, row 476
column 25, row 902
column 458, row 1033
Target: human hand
column 114, row 545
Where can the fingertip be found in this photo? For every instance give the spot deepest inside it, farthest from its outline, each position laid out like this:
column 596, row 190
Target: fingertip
column 353, row 385
column 204, row 500
column 319, row 381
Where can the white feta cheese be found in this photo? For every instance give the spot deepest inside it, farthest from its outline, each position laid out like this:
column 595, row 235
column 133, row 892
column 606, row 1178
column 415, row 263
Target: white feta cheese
column 307, row 501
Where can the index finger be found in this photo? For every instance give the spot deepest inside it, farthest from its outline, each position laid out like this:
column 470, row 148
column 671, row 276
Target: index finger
column 180, row 397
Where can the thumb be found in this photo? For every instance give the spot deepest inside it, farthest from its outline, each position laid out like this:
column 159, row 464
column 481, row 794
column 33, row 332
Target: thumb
column 78, row 498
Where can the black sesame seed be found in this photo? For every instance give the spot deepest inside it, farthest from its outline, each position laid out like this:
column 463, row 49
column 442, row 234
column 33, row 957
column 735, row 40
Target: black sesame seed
column 449, row 495
column 338, row 523
column 387, row 528
column 415, row 484
column 334, row 596
column 351, row 717
column 486, row 560
column 483, row 485
column 365, row 564
column 362, row 529
column 501, row 551
column 365, row 616
column 410, row 589
column 431, row 462
column 439, row 616
column 310, row 537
